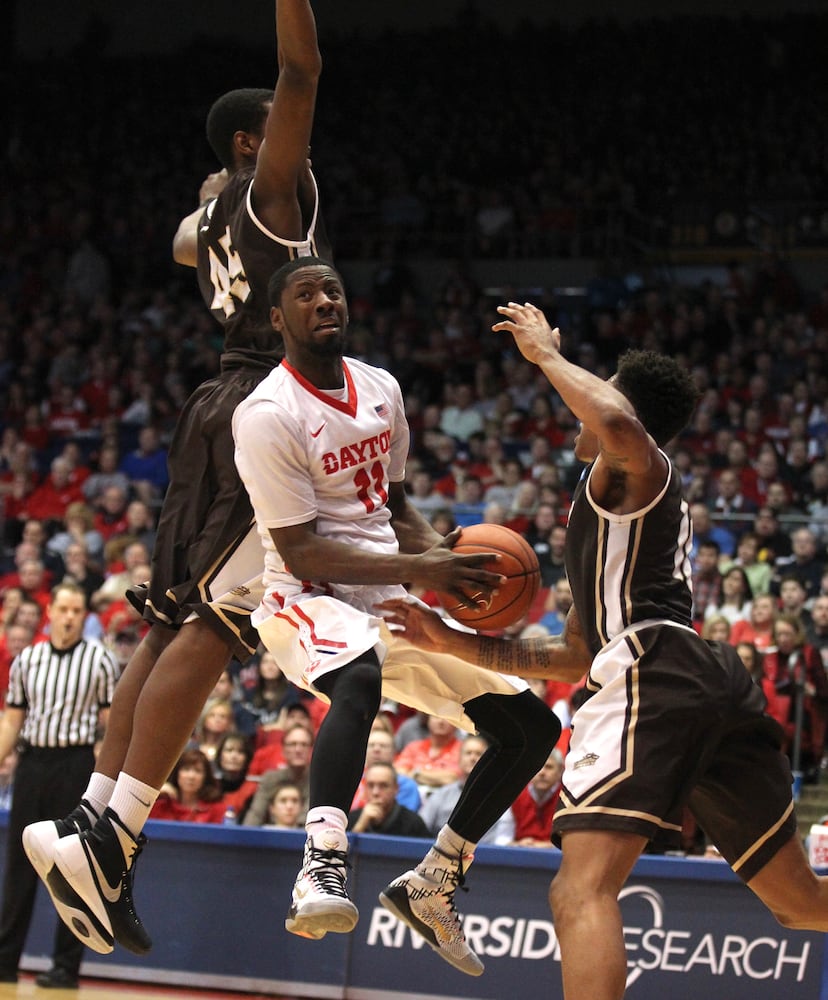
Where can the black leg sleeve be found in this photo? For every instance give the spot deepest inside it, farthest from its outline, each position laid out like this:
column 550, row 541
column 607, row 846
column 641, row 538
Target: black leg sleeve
column 522, row 731
column 339, row 751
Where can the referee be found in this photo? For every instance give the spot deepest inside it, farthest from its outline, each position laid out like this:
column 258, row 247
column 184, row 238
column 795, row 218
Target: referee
column 59, row 692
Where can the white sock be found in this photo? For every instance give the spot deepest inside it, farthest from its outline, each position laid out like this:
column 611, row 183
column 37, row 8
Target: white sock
column 330, row 822
column 132, row 800
column 98, row 793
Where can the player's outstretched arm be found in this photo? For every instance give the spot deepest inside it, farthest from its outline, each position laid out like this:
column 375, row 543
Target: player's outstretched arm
column 559, row 658
column 599, row 406
column 185, row 241
column 283, row 155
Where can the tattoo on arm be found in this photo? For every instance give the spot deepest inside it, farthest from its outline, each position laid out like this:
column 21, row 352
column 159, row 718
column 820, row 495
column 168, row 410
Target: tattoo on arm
column 563, row 657
column 522, row 657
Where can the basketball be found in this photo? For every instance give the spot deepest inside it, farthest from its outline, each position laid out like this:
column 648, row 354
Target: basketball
column 518, row 563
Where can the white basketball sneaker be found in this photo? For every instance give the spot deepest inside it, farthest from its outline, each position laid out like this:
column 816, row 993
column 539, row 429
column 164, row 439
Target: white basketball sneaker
column 320, row 900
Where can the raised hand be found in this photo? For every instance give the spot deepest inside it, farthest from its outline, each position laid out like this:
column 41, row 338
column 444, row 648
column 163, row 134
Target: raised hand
column 535, row 339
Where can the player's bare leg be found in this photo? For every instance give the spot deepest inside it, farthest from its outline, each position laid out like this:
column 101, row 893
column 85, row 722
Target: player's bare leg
column 118, row 734
column 171, row 701
column 790, row 889
column 586, row 914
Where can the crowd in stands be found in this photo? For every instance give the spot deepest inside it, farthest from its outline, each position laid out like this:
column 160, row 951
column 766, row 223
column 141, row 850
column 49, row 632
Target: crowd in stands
column 102, row 338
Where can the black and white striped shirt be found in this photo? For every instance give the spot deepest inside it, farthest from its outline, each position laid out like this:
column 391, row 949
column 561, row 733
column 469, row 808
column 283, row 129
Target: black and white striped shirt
column 62, row 691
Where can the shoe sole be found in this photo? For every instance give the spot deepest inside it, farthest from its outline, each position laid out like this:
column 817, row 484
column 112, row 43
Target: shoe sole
column 395, row 899
column 316, row 919
column 69, row 906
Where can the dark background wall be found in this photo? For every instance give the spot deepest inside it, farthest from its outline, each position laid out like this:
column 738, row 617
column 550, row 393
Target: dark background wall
column 41, row 26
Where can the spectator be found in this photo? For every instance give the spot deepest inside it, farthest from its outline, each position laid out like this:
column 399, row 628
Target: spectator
column 523, row 506
column 757, row 628
column 23, row 553
column 792, row 599
column 192, row 794
column 534, row 808
column 79, row 470
column 816, row 502
column 34, row 533
column 115, row 584
column 78, row 527
column 146, row 466
column 557, row 607
column 504, row 491
column 730, row 505
column 10, row 601
column 740, row 497
column 716, row 628
column 796, row 669
column 65, row 413
column 747, row 556
column 707, row 579
column 415, row 727
column 754, row 662
column 380, row 750
column 816, row 633
column 215, row 721
column 140, row 524
column 736, row 597
column 547, row 538
column 15, row 639
column 704, row 530
column 773, row 541
column 286, row 807
column 78, row 568
column 34, row 582
column 461, row 418
column 122, row 643
column 48, row 502
column 442, row 520
column 381, row 812
column 468, row 503
column 297, row 748
column 233, row 756
column 804, row 562
column 422, row 494
column 439, row 805
column 264, row 715
column 106, row 475
column 779, row 501
column 433, row 761
column 110, row 518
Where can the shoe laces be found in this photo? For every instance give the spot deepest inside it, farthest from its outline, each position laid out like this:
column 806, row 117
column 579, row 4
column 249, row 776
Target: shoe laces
column 128, row 877
column 328, row 867
column 449, row 878
column 135, row 850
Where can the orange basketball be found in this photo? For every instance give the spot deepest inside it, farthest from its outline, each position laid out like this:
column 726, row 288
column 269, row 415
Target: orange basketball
column 518, row 563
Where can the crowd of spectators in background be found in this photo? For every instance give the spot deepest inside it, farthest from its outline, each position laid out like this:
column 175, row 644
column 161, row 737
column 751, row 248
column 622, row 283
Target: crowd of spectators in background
column 102, row 338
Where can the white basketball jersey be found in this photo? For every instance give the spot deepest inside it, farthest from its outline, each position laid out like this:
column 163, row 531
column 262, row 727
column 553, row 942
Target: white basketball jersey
column 306, row 453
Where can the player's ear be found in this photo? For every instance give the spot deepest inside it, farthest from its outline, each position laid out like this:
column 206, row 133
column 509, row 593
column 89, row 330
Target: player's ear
column 276, row 319
column 246, row 143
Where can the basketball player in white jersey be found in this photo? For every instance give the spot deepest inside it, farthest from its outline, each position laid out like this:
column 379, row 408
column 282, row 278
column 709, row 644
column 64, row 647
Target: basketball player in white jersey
column 321, row 446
